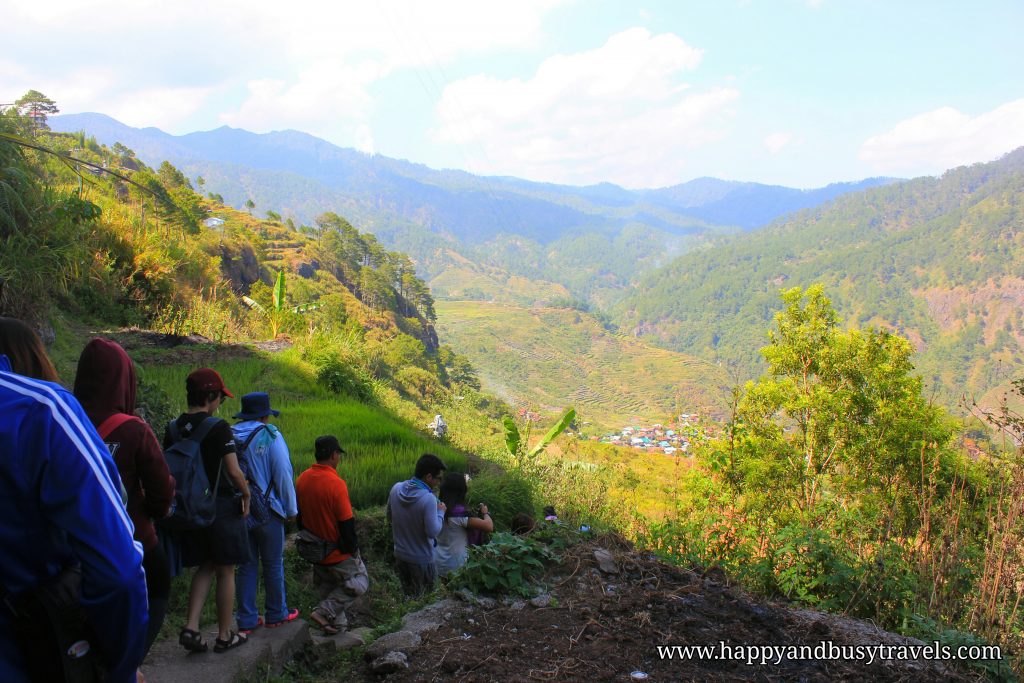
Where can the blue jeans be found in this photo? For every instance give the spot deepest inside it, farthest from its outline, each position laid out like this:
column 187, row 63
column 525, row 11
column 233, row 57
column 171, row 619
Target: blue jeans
column 267, row 543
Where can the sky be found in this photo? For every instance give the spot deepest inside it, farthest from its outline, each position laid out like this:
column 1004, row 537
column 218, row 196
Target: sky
column 642, row 93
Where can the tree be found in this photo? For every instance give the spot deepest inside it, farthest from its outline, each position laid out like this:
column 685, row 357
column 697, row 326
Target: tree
column 36, row 106
column 517, row 444
column 171, row 177
column 250, row 205
column 837, row 424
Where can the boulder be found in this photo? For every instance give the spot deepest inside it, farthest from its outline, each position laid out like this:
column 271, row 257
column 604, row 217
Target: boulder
column 399, row 640
column 389, row 663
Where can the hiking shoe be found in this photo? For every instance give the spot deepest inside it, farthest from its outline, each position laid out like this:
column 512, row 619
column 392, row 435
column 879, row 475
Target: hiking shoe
column 292, row 616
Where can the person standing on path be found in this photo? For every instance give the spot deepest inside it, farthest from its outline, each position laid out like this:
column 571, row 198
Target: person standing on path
column 270, row 468
column 416, row 517
column 105, row 385
column 326, row 512
column 61, row 513
column 216, row 549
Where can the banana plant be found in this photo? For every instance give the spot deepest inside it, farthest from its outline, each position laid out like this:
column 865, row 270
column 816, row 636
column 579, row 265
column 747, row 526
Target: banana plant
column 275, row 314
column 516, row 444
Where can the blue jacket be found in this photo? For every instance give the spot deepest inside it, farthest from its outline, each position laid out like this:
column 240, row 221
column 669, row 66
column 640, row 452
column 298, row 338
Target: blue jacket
column 60, row 503
column 270, row 463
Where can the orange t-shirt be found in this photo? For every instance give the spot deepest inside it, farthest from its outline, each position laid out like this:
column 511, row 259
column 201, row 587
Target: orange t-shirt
column 323, row 502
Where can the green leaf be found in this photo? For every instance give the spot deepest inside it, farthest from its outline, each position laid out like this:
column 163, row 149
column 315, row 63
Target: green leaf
column 305, row 308
column 512, row 438
column 560, row 426
column 279, row 291
column 254, row 305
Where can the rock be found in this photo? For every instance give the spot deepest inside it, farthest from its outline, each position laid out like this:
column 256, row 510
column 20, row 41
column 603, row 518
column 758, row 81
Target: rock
column 487, row 603
column 466, row 595
column 518, row 605
column 431, row 616
column 543, row 600
column 362, row 633
column 399, row 640
column 605, row 561
column 342, row 641
column 390, row 663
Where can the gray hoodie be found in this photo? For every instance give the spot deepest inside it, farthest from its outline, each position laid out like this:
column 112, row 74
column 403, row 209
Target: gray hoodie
column 415, row 521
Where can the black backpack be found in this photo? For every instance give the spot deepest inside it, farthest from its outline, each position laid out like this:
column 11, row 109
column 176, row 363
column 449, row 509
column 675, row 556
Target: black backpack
column 195, row 502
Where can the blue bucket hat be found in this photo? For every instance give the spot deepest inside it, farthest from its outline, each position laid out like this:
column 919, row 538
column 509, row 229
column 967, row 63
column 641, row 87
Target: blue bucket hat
column 255, row 406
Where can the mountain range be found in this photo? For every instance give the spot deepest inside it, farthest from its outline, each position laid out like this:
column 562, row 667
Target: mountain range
column 695, row 268
column 476, row 233
column 937, row 260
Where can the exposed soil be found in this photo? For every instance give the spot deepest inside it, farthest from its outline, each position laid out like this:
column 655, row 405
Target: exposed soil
column 157, row 347
column 605, row 626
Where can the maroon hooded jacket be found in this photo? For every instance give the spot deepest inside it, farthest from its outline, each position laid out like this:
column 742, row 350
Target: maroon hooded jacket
column 105, row 385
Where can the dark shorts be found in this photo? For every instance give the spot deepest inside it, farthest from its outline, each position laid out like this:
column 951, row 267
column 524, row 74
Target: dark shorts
column 416, row 579
column 224, row 542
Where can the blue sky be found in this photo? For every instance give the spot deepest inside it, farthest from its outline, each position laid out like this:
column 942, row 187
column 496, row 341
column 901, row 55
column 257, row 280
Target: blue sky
column 791, row 92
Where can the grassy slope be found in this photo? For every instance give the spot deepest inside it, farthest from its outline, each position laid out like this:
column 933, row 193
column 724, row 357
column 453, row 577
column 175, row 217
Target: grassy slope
column 551, row 358
column 381, row 448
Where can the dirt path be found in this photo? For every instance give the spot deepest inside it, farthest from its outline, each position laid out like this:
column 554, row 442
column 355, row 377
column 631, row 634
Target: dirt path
column 604, row 626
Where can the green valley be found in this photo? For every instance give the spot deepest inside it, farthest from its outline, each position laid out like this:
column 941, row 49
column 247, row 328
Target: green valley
column 546, row 358
column 833, row 481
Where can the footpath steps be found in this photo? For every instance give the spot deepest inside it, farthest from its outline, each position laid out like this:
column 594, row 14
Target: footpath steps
column 169, row 663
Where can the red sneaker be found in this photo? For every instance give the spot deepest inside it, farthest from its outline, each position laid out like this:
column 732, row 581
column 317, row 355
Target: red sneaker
column 292, row 616
column 248, row 631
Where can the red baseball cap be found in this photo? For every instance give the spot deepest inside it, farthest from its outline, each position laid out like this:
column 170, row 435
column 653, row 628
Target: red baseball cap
column 206, row 379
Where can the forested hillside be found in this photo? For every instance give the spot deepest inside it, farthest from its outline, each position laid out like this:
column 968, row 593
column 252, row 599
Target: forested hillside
column 92, row 234
column 938, row 260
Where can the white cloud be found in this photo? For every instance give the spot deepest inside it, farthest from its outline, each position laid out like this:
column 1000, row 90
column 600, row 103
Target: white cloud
column 944, row 138
column 317, row 100
column 161, row 107
column 775, row 142
column 309, row 64
column 364, row 139
column 619, row 113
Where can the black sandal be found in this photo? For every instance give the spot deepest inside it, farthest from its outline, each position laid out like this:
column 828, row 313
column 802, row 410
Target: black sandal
column 192, row 640
column 234, row 640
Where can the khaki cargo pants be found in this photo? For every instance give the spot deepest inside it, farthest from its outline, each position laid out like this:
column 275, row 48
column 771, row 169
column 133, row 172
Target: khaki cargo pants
column 339, row 584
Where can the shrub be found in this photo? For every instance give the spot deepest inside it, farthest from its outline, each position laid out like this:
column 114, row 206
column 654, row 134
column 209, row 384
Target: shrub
column 340, row 378
column 418, row 384
column 505, row 495
column 505, row 565
column 374, row 533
